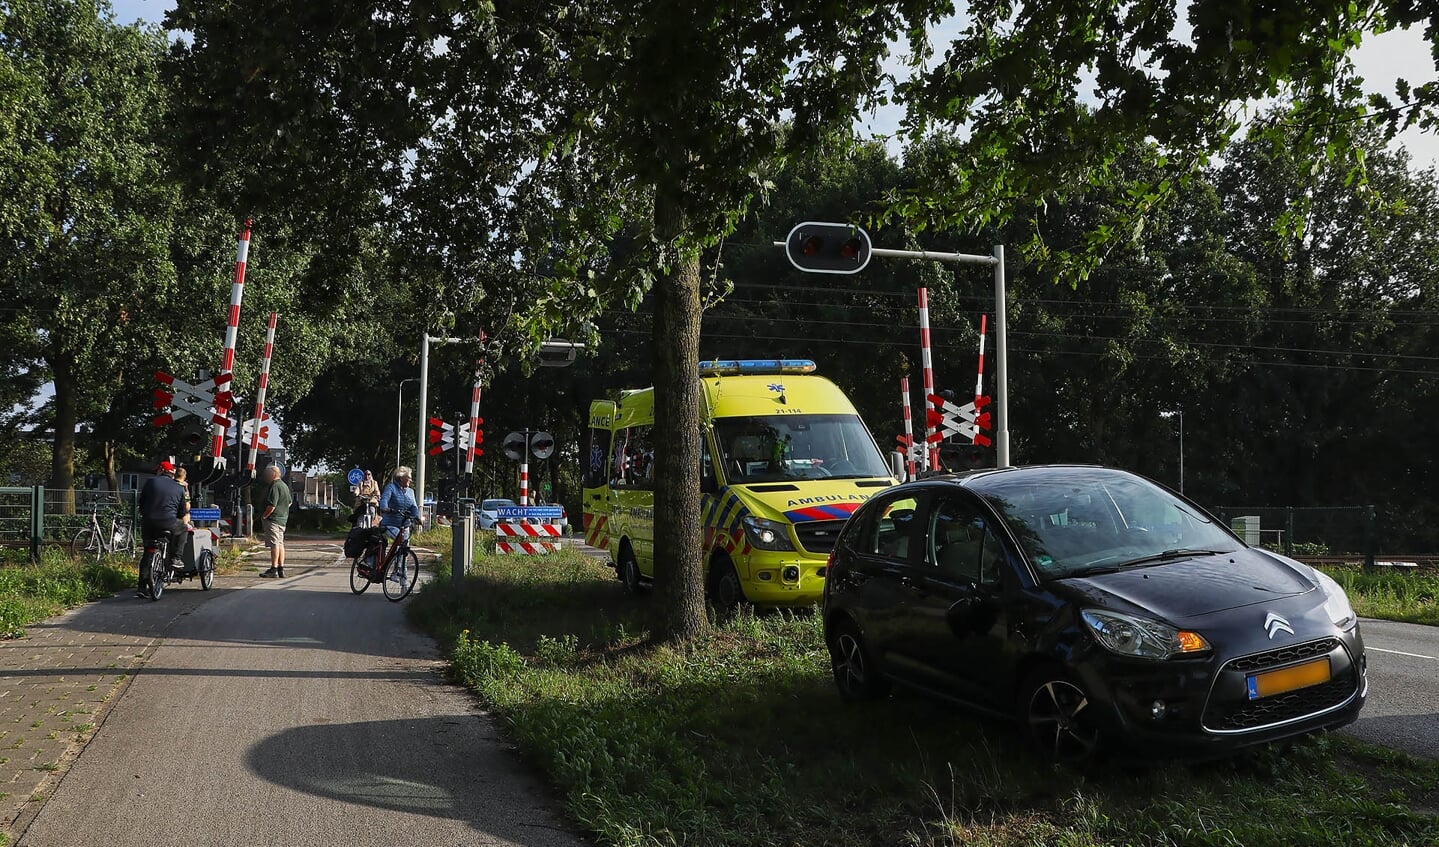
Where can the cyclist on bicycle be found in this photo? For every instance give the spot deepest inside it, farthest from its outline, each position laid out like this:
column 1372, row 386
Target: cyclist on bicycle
column 397, row 504
column 367, row 499
column 164, row 513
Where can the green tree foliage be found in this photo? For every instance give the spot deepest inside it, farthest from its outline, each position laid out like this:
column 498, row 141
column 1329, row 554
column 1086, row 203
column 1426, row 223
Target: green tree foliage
column 85, row 219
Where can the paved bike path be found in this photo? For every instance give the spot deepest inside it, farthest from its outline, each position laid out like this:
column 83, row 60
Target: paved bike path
column 294, row 712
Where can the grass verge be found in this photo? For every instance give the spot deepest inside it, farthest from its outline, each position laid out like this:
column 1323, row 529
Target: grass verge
column 1390, row 594
column 33, row 592
column 739, row 739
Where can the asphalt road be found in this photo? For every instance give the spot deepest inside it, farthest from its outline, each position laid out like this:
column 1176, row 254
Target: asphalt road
column 1403, row 707
column 295, row 713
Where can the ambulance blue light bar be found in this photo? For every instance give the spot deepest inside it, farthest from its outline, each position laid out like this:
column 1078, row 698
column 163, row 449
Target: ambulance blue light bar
column 732, row 367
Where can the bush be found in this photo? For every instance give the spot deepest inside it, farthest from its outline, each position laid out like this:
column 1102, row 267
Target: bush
column 33, row 592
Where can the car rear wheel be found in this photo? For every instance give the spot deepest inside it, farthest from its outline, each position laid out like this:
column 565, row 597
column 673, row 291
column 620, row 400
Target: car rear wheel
column 1060, row 717
column 628, row 570
column 855, row 673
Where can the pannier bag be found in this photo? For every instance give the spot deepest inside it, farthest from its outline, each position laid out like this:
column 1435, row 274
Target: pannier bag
column 361, row 537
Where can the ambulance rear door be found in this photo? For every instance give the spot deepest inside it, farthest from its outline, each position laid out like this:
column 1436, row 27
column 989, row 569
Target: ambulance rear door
column 596, row 494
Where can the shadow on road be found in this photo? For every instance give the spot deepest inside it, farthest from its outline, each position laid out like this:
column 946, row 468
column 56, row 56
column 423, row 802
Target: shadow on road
column 446, row 766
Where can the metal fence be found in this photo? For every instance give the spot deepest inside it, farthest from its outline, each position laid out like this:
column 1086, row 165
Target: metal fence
column 36, row 516
column 1309, row 531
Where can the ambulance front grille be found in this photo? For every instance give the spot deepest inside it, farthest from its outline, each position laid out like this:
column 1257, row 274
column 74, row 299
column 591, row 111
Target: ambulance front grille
column 818, row 536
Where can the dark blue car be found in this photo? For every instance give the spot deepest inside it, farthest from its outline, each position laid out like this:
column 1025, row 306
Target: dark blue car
column 1099, row 607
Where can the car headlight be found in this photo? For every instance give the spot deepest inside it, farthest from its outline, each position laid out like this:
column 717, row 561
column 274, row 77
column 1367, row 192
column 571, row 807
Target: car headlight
column 1336, row 602
column 1143, row 638
column 767, row 534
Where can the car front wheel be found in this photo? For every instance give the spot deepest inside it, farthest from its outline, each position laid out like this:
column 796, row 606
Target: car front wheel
column 855, row 673
column 1060, row 717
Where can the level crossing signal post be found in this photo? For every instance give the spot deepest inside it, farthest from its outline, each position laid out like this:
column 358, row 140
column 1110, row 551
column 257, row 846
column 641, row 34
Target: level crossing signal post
column 839, row 248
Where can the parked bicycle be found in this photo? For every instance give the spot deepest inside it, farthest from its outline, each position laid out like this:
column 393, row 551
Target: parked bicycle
column 162, row 574
column 112, row 535
column 397, row 571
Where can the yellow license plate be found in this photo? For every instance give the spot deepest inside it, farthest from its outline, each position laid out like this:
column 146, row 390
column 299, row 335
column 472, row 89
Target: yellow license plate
column 1288, row 679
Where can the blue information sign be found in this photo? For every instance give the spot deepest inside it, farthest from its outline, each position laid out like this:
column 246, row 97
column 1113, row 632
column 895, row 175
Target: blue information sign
column 204, row 514
column 540, row 512
column 355, row 475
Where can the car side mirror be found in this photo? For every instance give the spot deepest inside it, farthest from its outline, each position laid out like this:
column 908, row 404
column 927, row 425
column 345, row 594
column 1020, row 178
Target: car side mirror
column 708, row 485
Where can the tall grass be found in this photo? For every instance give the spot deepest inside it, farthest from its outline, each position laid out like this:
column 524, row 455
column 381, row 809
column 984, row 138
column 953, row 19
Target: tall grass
column 1391, row 594
column 739, row 739
column 32, row 592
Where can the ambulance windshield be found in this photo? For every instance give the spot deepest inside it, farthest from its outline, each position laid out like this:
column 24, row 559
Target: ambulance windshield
column 779, row 448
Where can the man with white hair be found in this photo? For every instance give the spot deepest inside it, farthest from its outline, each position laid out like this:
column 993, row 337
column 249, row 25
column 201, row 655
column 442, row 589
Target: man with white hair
column 276, row 515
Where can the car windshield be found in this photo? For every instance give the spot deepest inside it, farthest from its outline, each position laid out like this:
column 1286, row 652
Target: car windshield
column 491, row 505
column 1077, row 521
column 778, row 448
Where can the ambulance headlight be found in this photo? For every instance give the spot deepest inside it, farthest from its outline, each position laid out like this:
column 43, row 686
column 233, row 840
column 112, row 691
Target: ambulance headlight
column 766, row 534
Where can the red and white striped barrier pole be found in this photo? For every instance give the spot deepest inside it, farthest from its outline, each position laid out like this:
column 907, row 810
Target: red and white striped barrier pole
column 474, row 426
column 932, row 451
column 223, row 396
column 525, row 481
column 908, row 426
column 979, row 377
column 260, row 393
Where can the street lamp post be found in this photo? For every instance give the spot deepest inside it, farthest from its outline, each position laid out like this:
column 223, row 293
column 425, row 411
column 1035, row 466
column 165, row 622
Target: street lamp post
column 424, row 414
column 399, row 418
column 1178, row 413
column 1181, row 452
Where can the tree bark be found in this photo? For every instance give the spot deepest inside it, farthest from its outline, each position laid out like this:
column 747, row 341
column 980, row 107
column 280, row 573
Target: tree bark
column 108, row 449
column 62, row 461
column 679, row 610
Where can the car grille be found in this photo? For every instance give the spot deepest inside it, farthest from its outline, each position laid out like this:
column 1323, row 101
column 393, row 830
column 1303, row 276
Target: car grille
column 818, row 536
column 1240, row 715
column 1283, row 656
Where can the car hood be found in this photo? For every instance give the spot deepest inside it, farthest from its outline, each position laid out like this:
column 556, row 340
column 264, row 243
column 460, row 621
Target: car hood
column 1186, row 588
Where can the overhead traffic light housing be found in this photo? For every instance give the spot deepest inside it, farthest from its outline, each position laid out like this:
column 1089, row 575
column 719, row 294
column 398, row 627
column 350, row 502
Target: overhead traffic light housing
column 828, row 248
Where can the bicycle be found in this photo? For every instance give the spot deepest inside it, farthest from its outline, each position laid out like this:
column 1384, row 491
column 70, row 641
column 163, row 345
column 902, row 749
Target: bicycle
column 96, row 542
column 397, row 572
column 162, row 574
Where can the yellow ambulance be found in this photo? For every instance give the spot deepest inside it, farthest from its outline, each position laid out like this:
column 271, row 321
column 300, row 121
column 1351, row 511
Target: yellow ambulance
column 785, row 461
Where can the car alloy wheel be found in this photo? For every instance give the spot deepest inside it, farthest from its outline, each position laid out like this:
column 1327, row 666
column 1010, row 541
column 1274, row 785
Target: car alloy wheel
column 854, row 673
column 1058, row 715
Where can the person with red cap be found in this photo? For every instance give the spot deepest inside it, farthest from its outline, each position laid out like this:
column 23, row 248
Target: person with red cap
column 164, row 510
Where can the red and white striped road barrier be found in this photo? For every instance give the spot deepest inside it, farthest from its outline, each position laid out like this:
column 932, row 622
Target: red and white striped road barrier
column 474, row 426
column 224, row 398
column 927, row 365
column 908, row 440
column 260, row 394
column 535, row 538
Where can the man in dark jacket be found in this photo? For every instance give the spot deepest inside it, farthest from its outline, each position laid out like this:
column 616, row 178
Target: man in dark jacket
column 164, row 510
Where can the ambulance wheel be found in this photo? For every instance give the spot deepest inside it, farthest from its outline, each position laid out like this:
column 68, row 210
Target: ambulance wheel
column 726, row 595
column 628, row 570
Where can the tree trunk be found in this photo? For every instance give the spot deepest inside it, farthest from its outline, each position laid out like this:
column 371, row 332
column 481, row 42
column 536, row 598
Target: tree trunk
column 62, row 461
column 107, row 458
column 679, row 610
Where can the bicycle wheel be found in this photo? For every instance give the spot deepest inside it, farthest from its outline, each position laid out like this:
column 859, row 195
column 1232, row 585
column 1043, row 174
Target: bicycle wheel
column 404, row 571
column 158, row 563
column 206, row 566
column 358, row 581
column 86, row 543
column 124, row 538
